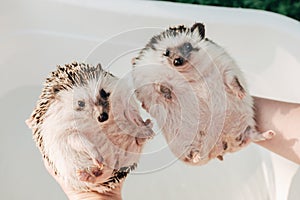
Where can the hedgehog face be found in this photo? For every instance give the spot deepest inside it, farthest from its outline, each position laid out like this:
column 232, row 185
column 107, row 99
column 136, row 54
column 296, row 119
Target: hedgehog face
column 84, row 107
column 74, row 94
column 176, row 47
column 89, row 103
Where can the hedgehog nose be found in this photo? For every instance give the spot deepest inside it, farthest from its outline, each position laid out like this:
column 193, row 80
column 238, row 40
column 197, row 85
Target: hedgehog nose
column 178, row 61
column 103, row 117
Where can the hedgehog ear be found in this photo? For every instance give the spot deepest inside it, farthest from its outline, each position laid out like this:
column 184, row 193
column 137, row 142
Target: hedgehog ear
column 99, row 66
column 29, row 122
column 133, row 61
column 200, row 28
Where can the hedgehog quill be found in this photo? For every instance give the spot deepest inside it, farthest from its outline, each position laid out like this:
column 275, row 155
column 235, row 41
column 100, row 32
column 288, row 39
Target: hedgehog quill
column 197, row 94
column 87, row 129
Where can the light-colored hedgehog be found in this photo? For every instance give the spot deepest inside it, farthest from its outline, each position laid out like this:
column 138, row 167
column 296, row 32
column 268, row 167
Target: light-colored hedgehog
column 197, row 94
column 88, row 128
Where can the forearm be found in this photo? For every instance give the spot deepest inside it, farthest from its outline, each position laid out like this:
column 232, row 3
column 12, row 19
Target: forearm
column 284, row 119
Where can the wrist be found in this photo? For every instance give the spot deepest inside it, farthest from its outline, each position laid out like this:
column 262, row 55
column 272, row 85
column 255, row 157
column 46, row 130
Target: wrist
column 114, row 194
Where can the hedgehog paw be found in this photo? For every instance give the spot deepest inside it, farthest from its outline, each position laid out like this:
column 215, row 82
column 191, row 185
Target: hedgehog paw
column 90, row 174
column 193, row 156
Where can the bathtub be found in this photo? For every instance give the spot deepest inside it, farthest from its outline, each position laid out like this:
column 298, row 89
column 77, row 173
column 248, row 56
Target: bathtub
column 35, row 36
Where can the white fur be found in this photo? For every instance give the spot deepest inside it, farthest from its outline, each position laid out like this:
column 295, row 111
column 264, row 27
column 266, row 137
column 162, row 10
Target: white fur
column 206, row 109
column 74, row 139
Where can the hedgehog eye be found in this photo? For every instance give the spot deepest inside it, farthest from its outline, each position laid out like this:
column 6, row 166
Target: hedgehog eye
column 187, row 47
column 167, row 53
column 81, row 104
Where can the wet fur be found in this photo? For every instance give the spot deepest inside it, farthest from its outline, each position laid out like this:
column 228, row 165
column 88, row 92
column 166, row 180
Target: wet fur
column 85, row 153
column 206, row 109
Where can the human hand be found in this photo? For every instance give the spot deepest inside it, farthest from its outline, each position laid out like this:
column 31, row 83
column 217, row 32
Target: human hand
column 72, row 194
column 284, row 119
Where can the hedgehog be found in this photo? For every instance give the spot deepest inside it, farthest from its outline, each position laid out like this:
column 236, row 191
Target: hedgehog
column 88, row 128
column 197, row 94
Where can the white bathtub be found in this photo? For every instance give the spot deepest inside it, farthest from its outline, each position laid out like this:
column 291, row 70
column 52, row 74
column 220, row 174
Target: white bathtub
column 37, row 35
